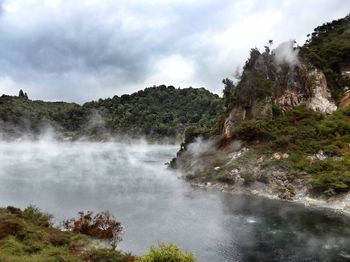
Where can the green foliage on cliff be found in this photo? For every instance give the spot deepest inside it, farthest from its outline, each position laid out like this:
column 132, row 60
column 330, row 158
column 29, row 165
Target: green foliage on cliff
column 253, row 85
column 303, row 133
column 328, row 48
column 155, row 112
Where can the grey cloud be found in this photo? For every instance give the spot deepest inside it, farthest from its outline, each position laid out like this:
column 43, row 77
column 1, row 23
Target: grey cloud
column 78, row 52
column 53, row 51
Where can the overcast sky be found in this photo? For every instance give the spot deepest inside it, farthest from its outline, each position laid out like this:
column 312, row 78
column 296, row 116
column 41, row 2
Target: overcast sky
column 83, row 50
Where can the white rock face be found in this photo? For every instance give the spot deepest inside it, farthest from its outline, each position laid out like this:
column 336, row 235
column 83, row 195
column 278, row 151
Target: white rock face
column 321, row 97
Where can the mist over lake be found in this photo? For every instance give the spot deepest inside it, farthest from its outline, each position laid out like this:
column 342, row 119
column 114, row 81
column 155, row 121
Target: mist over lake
column 131, row 181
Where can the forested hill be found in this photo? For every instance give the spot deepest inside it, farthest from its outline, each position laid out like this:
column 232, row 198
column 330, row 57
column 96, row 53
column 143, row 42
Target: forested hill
column 156, row 112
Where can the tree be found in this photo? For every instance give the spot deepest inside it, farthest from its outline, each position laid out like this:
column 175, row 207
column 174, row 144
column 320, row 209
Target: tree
column 21, row 93
column 229, row 87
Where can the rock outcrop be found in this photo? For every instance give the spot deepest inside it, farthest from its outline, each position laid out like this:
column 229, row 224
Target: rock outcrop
column 267, row 84
column 320, row 99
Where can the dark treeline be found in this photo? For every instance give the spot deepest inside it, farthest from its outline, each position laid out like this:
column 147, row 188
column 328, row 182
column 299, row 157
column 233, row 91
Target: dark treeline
column 155, row 112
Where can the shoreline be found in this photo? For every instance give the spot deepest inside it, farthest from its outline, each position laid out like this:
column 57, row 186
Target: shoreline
column 338, row 204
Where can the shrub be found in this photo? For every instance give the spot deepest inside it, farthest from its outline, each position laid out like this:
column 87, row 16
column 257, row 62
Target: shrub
column 107, row 255
column 248, row 177
column 191, row 133
column 191, row 176
column 331, row 182
column 251, row 130
column 35, row 216
column 167, row 253
column 224, row 177
column 102, row 225
column 10, row 227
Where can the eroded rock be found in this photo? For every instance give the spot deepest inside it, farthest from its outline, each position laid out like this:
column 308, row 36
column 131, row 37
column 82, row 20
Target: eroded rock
column 321, row 99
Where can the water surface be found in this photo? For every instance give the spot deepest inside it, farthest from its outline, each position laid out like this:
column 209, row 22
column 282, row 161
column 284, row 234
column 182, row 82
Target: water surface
column 132, row 182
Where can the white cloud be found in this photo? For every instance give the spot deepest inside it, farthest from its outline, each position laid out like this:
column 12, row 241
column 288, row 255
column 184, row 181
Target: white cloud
column 173, row 70
column 8, row 86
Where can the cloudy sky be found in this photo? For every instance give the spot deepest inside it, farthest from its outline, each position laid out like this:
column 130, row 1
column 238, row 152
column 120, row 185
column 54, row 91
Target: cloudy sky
column 86, row 49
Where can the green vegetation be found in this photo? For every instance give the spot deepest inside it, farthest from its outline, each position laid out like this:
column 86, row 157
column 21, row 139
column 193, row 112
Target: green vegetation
column 192, row 132
column 328, row 48
column 28, row 235
column 167, row 253
column 155, row 112
column 248, row 177
column 160, row 111
column 303, row 133
column 19, row 114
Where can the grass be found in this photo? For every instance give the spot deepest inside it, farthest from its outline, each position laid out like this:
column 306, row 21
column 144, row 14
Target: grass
column 28, row 235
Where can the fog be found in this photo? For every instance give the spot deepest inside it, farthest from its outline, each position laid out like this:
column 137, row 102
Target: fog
column 130, row 179
column 286, row 53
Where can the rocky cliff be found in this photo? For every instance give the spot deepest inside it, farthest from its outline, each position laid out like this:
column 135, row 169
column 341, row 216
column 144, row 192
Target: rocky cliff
column 269, row 82
column 286, row 129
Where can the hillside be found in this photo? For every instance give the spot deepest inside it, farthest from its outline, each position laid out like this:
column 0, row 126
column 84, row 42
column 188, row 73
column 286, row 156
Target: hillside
column 286, row 129
column 30, row 235
column 159, row 111
column 156, row 112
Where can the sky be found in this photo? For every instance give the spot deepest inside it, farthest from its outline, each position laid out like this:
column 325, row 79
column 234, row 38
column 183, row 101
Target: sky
column 85, row 50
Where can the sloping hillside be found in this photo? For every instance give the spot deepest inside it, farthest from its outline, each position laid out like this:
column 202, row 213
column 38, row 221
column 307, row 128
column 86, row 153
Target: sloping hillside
column 156, row 112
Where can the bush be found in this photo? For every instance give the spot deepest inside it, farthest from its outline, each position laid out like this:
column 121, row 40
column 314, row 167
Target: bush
column 191, row 133
column 331, row 182
column 102, row 225
column 251, row 130
column 10, row 227
column 35, row 216
column 248, row 177
column 107, row 255
column 167, row 253
column 329, row 176
column 224, row 177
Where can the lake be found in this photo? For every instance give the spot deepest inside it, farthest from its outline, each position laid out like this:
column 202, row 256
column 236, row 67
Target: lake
column 131, row 181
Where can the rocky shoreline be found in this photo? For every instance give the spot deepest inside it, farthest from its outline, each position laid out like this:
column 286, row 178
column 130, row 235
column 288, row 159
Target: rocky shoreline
column 243, row 170
column 339, row 204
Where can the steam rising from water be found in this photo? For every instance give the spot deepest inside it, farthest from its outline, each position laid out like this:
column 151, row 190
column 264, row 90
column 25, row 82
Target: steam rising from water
column 285, row 53
column 152, row 203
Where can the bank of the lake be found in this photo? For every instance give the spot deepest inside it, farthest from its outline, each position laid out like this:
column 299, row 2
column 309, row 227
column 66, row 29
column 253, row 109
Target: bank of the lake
column 339, row 204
